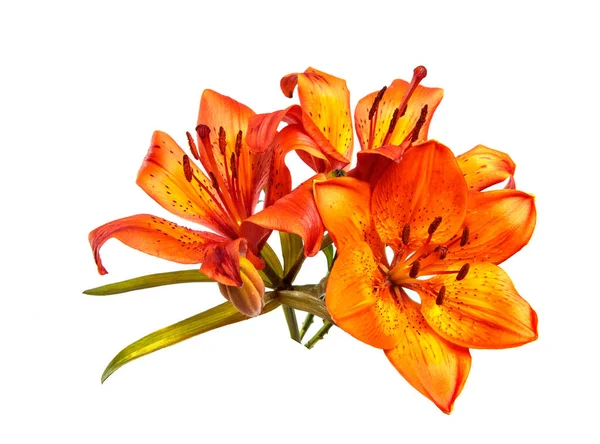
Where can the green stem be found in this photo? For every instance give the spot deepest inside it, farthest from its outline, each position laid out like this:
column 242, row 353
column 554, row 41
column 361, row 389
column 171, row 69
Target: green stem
column 292, row 322
column 319, row 335
column 308, row 320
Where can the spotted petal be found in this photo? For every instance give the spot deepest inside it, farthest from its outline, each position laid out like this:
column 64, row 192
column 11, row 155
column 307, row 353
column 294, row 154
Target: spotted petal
column 157, row 237
column 484, row 167
column 424, row 185
column 435, row 367
column 483, row 310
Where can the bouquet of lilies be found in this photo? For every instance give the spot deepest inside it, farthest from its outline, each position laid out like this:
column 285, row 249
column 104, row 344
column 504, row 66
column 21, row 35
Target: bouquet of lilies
column 413, row 234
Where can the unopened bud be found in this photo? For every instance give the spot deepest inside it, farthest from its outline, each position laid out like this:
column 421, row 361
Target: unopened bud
column 249, row 298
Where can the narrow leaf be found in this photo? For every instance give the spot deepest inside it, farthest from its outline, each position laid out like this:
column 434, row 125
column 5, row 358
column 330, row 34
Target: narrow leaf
column 305, row 302
column 291, row 249
column 328, row 251
column 271, row 259
column 149, row 281
column 219, row 316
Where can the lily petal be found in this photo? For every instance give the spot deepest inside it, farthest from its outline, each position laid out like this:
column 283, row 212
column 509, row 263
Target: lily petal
column 249, row 297
column 225, row 151
column 262, row 128
column 325, row 102
column 295, row 213
column 162, row 177
column 424, row 185
column 420, row 108
column 483, row 310
column 372, row 164
column 359, row 300
column 500, row 223
column 157, row 237
column 435, row 367
column 344, row 207
column 223, row 262
column 484, row 167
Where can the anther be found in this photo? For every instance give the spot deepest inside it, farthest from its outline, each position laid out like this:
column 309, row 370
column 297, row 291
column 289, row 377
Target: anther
column 187, row 168
column 203, row 131
column 192, row 145
column 414, row 270
column 393, row 122
column 462, row 273
column 405, row 234
column 440, row 296
column 434, row 225
column 378, row 98
column 417, row 129
column 238, row 144
column 215, row 184
column 222, row 140
column 465, row 237
column 443, row 252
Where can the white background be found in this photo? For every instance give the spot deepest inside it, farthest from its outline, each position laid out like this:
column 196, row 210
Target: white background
column 83, row 87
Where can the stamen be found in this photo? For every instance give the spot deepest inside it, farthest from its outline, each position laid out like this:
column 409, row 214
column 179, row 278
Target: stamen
column 187, row 168
column 238, row 144
column 233, row 166
column 378, row 98
column 417, row 129
column 414, row 270
column 443, row 252
column 215, row 183
column 434, row 225
column 192, row 146
column 440, row 296
column 203, row 131
column 462, row 273
column 465, row 237
column 393, row 122
column 222, row 140
column 403, row 111
column 405, row 234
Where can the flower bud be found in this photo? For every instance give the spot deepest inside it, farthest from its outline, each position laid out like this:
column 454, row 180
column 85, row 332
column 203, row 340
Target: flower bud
column 248, row 298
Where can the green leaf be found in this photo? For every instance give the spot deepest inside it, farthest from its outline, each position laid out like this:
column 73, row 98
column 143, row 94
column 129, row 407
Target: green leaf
column 291, row 249
column 328, row 251
column 219, row 316
column 149, row 281
column 271, row 259
column 304, row 301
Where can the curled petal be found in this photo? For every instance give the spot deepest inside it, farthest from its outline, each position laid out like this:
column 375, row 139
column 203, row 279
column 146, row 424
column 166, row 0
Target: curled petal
column 359, row 300
column 413, row 123
column 295, row 213
column 435, row 367
column 249, row 297
column 344, row 206
column 372, row 164
column 325, row 102
column 163, row 178
column 157, row 237
column 484, row 167
column 500, row 223
column 262, row 128
column 424, row 185
column 223, row 262
column 483, row 310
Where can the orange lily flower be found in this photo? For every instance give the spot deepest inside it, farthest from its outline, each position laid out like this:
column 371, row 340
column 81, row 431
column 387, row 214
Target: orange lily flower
column 447, row 241
column 320, row 130
column 220, row 197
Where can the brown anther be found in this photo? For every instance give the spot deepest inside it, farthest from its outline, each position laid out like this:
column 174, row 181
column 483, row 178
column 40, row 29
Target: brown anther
column 203, row 131
column 434, row 225
column 215, row 184
column 238, row 144
column 465, row 237
column 417, row 129
column 443, row 251
column 222, row 140
column 233, row 166
column 405, row 234
column 187, row 168
column 462, row 273
column 414, row 270
column 440, row 296
column 378, row 98
column 192, row 146
column 393, row 122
